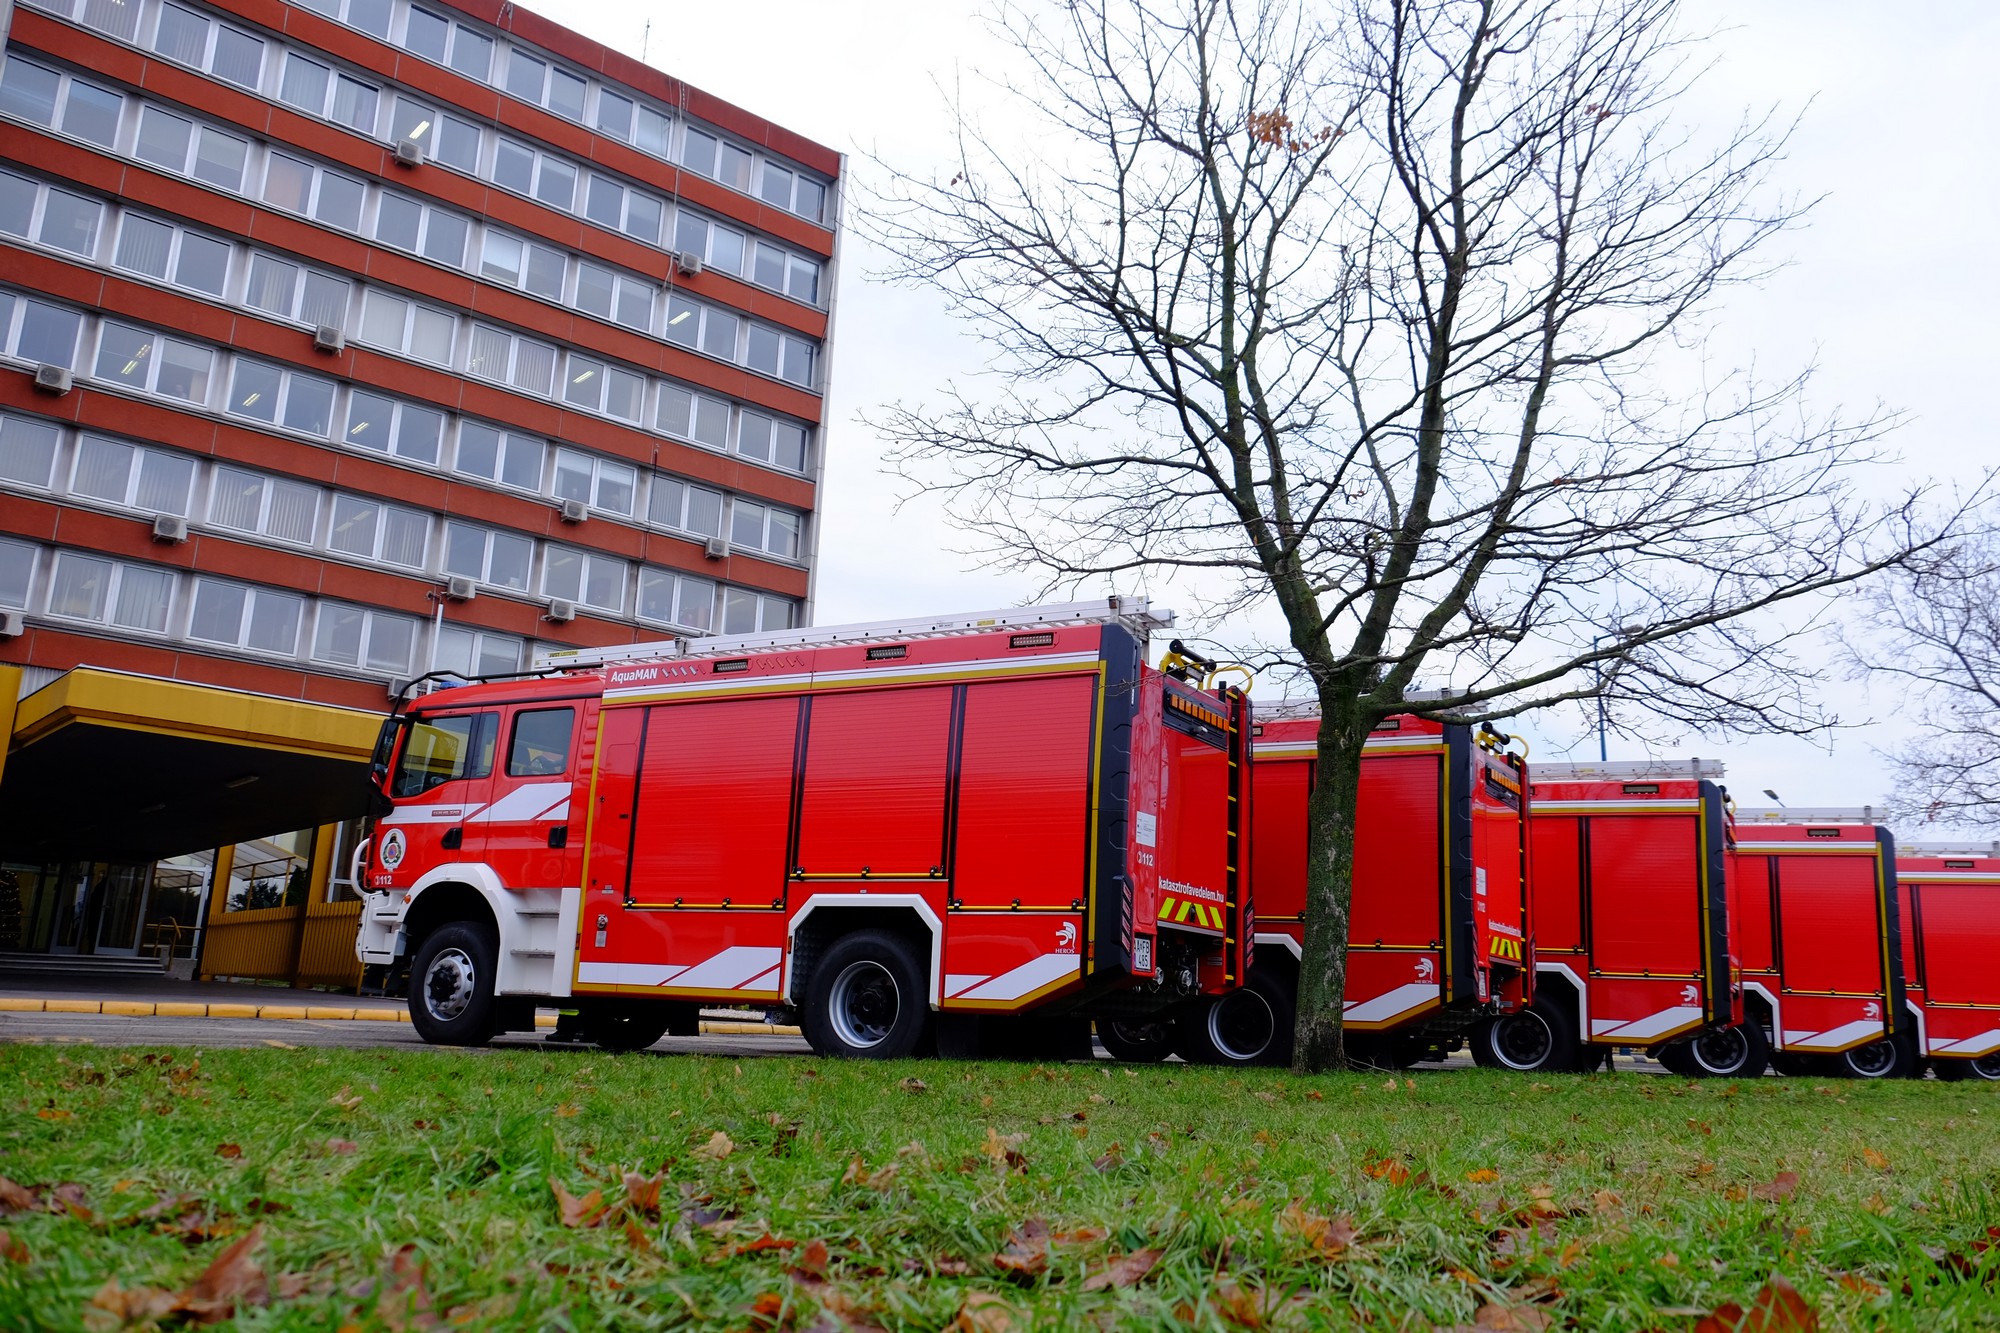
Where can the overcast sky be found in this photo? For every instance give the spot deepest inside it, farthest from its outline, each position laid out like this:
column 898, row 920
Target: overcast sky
column 1891, row 289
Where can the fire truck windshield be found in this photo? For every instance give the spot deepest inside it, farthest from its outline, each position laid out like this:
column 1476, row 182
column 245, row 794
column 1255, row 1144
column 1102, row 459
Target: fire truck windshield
column 445, row 749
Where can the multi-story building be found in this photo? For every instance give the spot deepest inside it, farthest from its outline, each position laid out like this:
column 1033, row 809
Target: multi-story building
column 348, row 340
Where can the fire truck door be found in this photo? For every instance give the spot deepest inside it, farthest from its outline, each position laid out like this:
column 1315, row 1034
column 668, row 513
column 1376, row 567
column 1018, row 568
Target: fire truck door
column 523, row 831
column 443, row 776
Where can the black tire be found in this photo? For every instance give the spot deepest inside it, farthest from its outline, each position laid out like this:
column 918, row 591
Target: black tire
column 1251, row 1025
column 1145, row 1041
column 1952, row 1070
column 451, row 985
column 634, row 1025
column 1792, row 1064
column 1892, row 1057
column 1738, row 1052
column 1540, row 1039
column 866, row 999
column 1673, row 1057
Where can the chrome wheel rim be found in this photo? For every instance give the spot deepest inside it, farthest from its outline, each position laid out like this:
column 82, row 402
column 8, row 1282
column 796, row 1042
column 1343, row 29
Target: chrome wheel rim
column 1523, row 1041
column 864, row 1004
column 1241, row 1025
column 448, row 984
column 1987, row 1066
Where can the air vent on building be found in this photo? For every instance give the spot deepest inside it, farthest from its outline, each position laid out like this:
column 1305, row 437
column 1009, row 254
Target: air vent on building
column 409, row 153
column 12, row 626
column 560, row 611
column 169, row 528
column 329, row 338
column 574, row 511
column 715, row 548
column 689, row 263
column 52, row 379
column 460, row 588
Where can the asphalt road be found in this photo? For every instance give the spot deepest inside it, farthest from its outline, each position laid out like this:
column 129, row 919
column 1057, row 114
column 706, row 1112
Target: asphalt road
column 106, row 1030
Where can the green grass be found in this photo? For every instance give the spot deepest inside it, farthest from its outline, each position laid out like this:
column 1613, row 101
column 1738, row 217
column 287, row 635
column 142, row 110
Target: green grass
column 1609, row 1202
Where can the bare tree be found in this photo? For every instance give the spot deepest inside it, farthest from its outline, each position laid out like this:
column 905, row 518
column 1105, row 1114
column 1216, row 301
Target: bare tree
column 1936, row 625
column 1386, row 312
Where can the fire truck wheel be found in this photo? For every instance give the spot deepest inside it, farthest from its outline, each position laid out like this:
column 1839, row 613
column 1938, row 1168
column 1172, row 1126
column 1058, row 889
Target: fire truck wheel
column 1892, row 1057
column 451, row 986
column 1538, row 1039
column 1951, row 1071
column 1249, row 1026
column 1738, row 1052
column 1139, row 1041
column 866, row 998
column 629, row 1027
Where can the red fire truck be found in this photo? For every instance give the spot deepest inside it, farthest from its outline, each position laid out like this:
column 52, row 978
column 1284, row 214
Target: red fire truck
column 976, row 817
column 1950, row 899
column 1819, row 938
column 1630, row 874
column 1438, row 928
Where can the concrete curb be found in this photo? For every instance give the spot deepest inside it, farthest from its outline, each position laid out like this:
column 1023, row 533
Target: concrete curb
column 13, row 1004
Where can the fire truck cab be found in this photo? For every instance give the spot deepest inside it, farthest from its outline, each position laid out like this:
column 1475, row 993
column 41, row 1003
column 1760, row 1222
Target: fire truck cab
column 1630, row 872
column 1819, row 936
column 1438, row 924
column 1950, row 899
column 911, row 835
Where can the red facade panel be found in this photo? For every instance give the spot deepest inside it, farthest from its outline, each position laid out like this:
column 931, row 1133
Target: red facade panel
column 1645, row 902
column 1396, row 828
column 875, row 783
column 1556, row 854
column 713, row 802
column 1750, row 922
column 1282, row 788
column 1829, row 919
column 1023, row 813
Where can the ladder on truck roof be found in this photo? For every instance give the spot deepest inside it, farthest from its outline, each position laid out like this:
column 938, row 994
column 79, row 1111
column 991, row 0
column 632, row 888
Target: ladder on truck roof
column 1948, row 849
column 1806, row 814
column 1135, row 613
column 1627, row 770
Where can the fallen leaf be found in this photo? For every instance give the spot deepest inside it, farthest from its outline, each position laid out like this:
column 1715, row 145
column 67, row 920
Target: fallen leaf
column 12, row 1249
column 642, row 1193
column 344, row 1099
column 914, row 1085
column 1390, row 1169
column 1861, row 1286
column 16, row 1199
column 1004, row 1150
column 766, row 1308
column 719, row 1146
column 342, row 1146
column 1484, row 1175
column 1876, row 1204
column 233, row 1277
column 54, row 1113
column 1511, row 1318
column 1331, row 1236
column 281, row 1045
column 857, row 1173
column 1027, row 1251
column 636, row 1234
column 232, row 1151
column 1239, row 1305
column 1127, row 1271
column 1111, row 1159
column 585, row 1212
column 568, row 1109
column 983, row 1312
column 1604, row 1201
column 1778, row 1308
column 405, row 1303
column 812, row 1259
column 767, row 1241
column 1779, row 1189
column 1879, row 1161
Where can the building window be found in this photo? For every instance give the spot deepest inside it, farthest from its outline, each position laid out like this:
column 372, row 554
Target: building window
column 744, row 611
column 667, row 598
column 238, row 616
column 281, row 397
column 28, row 452
column 287, row 511
column 497, row 559
column 516, row 263
column 325, row 196
column 767, row 440
column 502, row 358
column 407, row 225
column 151, row 481
column 17, row 573
column 385, row 426
column 756, row 527
column 172, row 255
column 297, row 294
column 597, row 387
column 144, row 360
column 445, row 138
column 398, row 325
column 613, row 296
column 371, row 529
column 192, row 39
column 702, row 419
column 46, row 334
column 683, row 507
column 599, row 482
column 477, row 652
column 494, row 455
column 376, row 641
column 136, row 597
column 585, row 577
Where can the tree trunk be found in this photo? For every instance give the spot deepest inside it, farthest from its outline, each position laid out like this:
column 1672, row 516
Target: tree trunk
column 1343, row 730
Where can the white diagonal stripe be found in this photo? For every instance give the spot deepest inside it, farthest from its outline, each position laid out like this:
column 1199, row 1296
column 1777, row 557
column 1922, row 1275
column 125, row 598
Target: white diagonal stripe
column 729, row 969
column 1393, row 1005
column 955, row 982
column 1840, row 1038
column 528, row 801
column 1029, row 976
column 1650, row 1026
column 626, row 974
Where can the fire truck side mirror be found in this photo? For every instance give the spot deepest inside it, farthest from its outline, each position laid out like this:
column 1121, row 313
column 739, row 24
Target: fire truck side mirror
column 385, row 749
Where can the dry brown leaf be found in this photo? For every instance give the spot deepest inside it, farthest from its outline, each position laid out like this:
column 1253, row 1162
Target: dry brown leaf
column 1127, row 1271
column 1111, row 1159
column 1004, row 1150
column 585, row 1212
column 719, row 1146
column 1778, row 1309
column 914, row 1085
column 765, row 1310
column 1027, row 1252
column 16, row 1199
column 1485, row 1175
column 1780, row 1187
column 12, row 1249
column 1876, row 1204
column 636, row 1235
column 1604, row 1201
column 569, row 1109
column 405, row 1303
column 1331, row 1236
column 233, row 1277
column 1511, row 1318
column 344, row 1099
column 341, row 1147
column 984, row 1312
column 1390, row 1169
column 1861, row 1286
column 767, row 1241
column 642, row 1193
column 54, row 1113
column 1238, row 1305
column 232, row 1151
column 1878, row 1160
